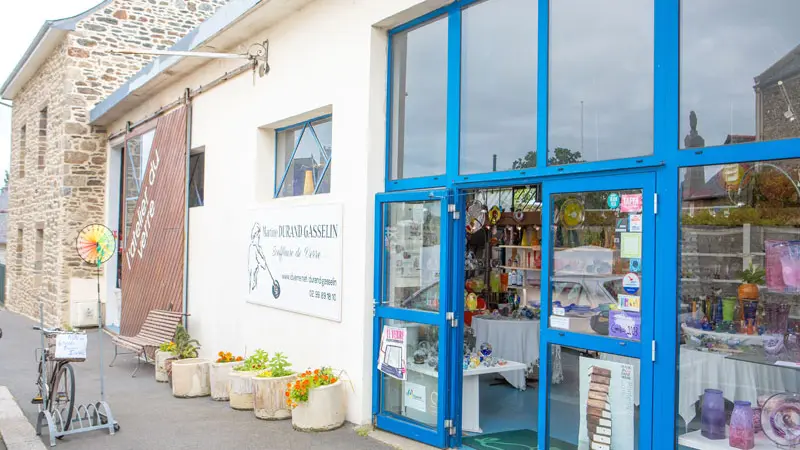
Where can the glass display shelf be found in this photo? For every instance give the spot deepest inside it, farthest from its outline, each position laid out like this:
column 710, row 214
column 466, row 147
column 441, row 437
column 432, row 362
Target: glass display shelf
column 532, row 269
column 756, row 358
column 522, row 247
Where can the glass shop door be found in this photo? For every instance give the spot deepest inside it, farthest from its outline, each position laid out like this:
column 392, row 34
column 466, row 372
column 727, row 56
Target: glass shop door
column 599, row 312
column 412, row 316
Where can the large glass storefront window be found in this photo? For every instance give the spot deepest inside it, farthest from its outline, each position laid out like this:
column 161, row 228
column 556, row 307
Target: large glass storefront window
column 597, row 405
column 417, row 397
column 740, row 63
column 498, row 86
column 601, row 80
column 412, row 256
column 419, row 101
column 596, row 280
column 739, row 306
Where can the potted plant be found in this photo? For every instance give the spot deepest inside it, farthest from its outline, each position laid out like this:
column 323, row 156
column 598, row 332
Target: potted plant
column 317, row 400
column 269, row 387
column 221, row 375
column 189, row 374
column 751, row 279
column 163, row 353
column 241, row 380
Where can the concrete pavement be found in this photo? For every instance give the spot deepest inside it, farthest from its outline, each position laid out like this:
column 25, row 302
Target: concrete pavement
column 149, row 416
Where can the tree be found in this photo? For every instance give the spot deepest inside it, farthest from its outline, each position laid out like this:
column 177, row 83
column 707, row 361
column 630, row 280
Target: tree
column 561, row 156
column 525, row 162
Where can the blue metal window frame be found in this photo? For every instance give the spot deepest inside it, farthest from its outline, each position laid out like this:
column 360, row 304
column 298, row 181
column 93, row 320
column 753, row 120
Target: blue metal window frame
column 646, row 181
column 665, row 164
column 304, row 125
column 397, row 424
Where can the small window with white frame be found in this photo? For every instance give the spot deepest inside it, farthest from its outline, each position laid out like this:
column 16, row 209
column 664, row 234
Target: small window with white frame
column 303, row 158
column 197, row 168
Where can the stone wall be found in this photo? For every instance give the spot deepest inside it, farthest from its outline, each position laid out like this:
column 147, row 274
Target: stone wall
column 773, row 107
column 34, row 193
column 67, row 192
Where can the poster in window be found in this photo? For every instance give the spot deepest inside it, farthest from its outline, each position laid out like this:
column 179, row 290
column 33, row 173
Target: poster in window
column 392, row 353
column 606, row 398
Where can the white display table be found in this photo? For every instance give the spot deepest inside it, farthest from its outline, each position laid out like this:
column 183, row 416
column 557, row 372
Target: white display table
column 470, row 398
column 696, row 440
column 515, row 340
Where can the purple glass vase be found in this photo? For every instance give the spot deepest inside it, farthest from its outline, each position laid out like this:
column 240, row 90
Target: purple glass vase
column 742, row 433
column 712, row 416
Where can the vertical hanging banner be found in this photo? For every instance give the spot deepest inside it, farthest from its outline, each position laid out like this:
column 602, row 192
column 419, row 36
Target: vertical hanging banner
column 152, row 258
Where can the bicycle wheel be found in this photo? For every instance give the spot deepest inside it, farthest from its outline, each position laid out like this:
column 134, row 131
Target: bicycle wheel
column 62, row 394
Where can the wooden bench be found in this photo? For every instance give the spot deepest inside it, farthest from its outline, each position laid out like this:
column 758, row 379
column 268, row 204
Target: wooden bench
column 158, row 327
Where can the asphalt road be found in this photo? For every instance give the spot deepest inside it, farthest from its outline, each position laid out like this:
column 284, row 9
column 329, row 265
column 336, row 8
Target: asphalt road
column 149, row 416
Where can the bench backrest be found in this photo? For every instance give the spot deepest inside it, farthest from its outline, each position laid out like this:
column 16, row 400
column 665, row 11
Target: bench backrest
column 160, row 325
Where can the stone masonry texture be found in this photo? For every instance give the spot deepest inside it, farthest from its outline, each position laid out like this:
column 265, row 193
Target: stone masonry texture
column 58, row 161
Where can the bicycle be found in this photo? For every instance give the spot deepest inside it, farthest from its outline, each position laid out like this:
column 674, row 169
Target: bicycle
column 55, row 381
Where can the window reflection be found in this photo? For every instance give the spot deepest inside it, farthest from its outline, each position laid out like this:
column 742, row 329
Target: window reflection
column 740, row 62
column 739, row 305
column 498, row 86
column 601, row 80
column 419, row 101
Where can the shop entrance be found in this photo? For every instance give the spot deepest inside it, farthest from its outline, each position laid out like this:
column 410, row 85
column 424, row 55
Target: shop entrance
column 539, row 330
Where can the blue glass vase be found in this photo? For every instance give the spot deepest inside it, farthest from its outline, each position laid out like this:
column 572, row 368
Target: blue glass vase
column 712, row 416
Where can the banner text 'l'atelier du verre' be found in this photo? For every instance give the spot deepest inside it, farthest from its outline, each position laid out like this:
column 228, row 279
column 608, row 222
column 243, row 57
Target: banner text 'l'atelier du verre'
column 152, row 257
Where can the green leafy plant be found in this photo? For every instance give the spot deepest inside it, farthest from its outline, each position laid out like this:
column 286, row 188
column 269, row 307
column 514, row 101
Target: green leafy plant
column 185, row 346
column 753, row 275
column 277, row 367
column 168, row 347
column 257, row 361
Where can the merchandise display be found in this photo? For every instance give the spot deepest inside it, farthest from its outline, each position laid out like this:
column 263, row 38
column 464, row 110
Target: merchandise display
column 780, row 419
column 739, row 308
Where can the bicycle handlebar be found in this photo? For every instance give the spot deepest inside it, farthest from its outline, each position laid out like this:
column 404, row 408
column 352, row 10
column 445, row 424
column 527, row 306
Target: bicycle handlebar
column 46, row 330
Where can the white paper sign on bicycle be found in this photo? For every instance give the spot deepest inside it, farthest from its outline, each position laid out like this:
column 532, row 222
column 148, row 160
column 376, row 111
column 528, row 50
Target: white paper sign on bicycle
column 71, row 346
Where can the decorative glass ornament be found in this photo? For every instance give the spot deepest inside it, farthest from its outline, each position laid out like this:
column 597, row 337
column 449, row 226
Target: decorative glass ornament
column 486, row 349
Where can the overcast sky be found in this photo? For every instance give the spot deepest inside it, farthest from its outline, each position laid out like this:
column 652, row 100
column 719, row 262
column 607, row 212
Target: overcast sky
column 23, row 19
column 601, row 57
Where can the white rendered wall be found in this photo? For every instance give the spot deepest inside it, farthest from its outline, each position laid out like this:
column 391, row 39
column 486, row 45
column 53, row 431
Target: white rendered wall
column 329, row 57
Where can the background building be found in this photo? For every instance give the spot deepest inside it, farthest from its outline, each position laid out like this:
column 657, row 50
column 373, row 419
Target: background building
column 58, row 164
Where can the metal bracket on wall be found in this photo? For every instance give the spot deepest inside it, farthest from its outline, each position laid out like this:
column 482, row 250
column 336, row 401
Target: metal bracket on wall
column 259, row 54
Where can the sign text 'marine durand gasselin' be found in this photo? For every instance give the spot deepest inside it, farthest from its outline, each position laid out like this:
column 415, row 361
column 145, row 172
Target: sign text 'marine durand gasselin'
column 320, row 231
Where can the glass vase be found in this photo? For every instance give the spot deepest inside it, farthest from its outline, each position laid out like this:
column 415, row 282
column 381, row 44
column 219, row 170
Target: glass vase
column 742, row 433
column 712, row 416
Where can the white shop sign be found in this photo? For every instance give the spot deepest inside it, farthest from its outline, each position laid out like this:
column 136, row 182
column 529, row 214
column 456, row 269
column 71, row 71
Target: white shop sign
column 295, row 259
column 70, row 346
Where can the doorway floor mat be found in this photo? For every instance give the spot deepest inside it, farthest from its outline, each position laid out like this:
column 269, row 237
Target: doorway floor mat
column 512, row 440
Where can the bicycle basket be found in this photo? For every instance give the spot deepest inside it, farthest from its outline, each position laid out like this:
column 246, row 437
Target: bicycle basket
column 66, row 346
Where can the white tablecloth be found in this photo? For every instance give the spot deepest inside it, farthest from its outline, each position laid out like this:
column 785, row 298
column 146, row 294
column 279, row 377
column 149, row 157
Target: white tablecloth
column 738, row 380
column 515, row 340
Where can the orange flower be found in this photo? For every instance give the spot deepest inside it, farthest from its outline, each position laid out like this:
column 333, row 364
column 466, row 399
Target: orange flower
column 316, row 371
column 221, row 354
column 334, row 380
column 238, row 358
column 287, row 393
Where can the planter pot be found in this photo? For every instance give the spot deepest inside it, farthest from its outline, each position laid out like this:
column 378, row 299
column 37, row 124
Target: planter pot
column 241, row 391
column 190, row 377
column 325, row 409
column 168, row 367
column 269, row 397
column 748, row 292
column 161, row 366
column 220, row 379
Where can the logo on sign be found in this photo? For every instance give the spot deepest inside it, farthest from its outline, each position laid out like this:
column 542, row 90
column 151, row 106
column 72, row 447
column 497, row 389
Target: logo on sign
column 613, row 201
column 630, row 283
column 631, row 203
